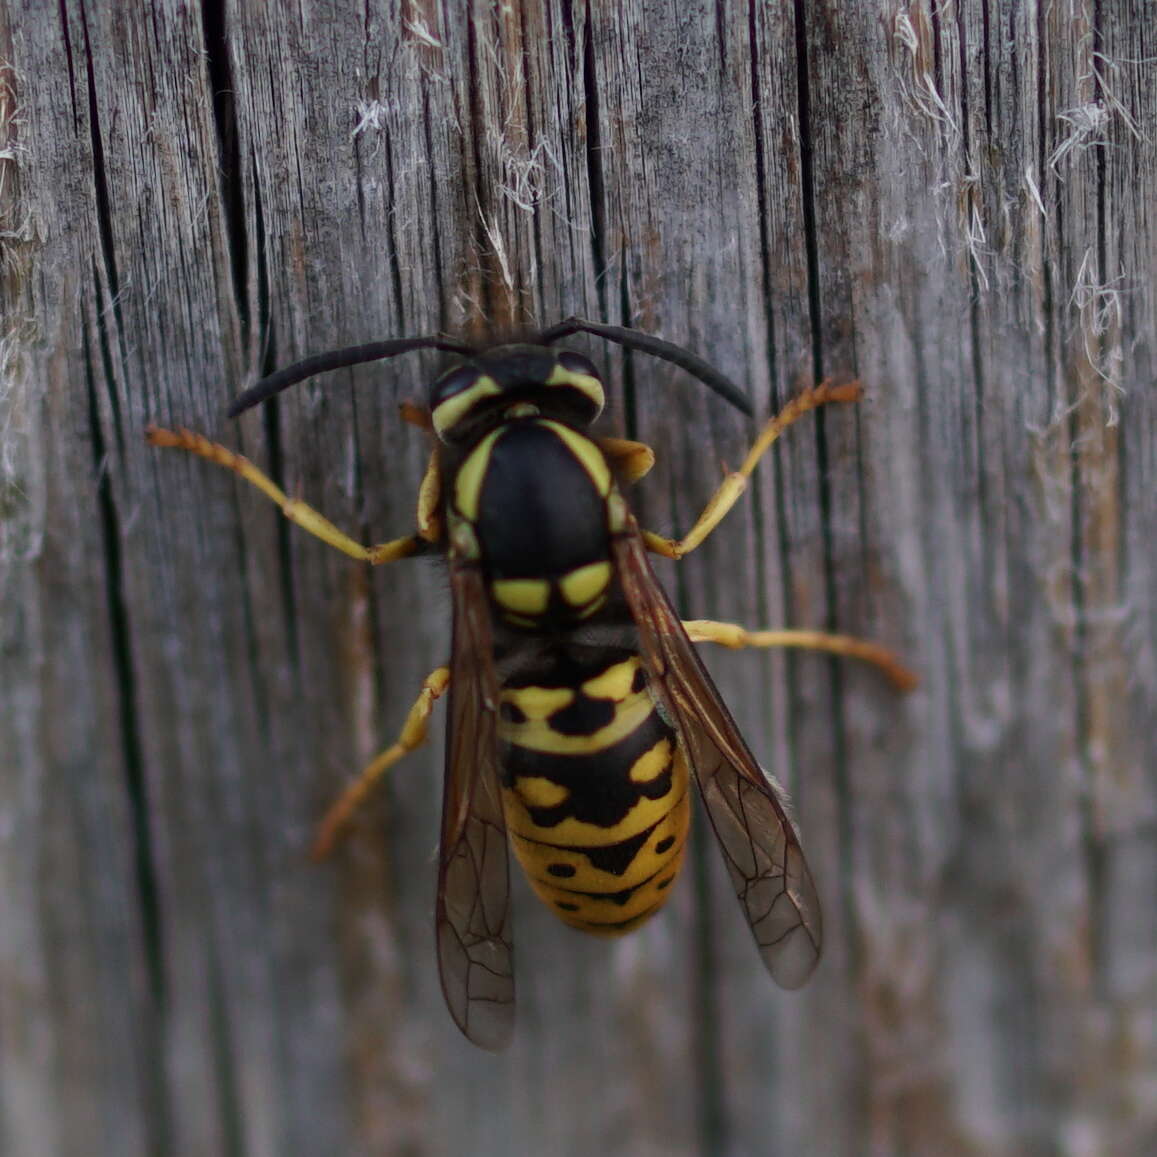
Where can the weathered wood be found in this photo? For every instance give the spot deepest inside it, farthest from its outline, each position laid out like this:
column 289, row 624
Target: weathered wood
column 952, row 202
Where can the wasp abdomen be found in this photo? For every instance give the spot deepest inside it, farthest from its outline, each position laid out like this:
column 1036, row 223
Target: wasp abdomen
column 595, row 793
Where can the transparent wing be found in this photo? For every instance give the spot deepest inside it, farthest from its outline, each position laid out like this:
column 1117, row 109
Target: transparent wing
column 475, row 952
column 748, row 811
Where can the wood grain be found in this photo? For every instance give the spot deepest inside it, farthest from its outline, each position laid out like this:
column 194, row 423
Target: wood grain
column 951, row 202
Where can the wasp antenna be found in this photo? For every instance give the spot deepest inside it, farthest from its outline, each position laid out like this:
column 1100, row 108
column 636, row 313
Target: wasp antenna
column 336, row 360
column 645, row 343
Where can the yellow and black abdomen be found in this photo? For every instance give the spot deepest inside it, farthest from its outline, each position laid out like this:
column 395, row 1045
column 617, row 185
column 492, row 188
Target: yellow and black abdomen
column 595, row 793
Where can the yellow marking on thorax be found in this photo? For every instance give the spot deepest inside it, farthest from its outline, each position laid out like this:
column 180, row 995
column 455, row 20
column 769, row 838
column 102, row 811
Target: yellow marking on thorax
column 468, row 484
column 652, row 763
column 585, row 583
column 453, row 409
column 588, row 454
column 524, row 596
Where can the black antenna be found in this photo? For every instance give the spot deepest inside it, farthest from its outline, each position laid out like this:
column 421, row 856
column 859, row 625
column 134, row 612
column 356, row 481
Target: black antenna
column 645, row 343
column 336, row 360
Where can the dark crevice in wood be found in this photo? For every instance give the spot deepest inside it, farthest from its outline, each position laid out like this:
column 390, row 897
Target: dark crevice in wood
column 974, row 282
column 807, row 190
column 475, row 187
column 630, row 390
column 528, row 99
column 271, row 427
column 937, row 53
column 721, row 25
column 1047, row 309
column 765, row 265
column 214, row 23
column 788, row 710
column 391, row 223
column 157, row 1111
column 268, row 357
column 762, row 197
column 67, row 38
column 841, row 772
column 712, row 1122
column 436, row 266
column 986, row 50
column 596, row 181
column 104, row 226
column 229, row 1116
column 1093, row 845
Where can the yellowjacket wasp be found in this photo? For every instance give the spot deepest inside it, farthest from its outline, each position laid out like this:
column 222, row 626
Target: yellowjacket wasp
column 579, row 710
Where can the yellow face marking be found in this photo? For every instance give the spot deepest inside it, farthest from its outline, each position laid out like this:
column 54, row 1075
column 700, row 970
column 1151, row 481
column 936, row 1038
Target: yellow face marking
column 535, row 791
column 524, row 596
column 588, row 454
column 468, row 484
column 591, row 386
column 536, row 703
column 536, row 733
column 453, row 409
column 615, row 682
column 651, row 764
column 585, row 583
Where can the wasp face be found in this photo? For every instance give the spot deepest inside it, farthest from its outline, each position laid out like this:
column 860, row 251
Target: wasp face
column 514, row 381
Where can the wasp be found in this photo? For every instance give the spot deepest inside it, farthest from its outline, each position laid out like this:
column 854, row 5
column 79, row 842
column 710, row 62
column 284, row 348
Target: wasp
column 579, row 711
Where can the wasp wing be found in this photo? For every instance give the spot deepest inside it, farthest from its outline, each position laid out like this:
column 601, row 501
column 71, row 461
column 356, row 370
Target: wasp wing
column 748, row 811
column 475, row 952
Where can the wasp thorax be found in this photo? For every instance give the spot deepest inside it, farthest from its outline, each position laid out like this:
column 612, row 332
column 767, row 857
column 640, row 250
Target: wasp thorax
column 514, row 381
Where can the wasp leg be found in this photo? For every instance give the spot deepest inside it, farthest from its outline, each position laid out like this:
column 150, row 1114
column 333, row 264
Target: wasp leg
column 296, row 511
column 734, row 636
column 413, row 735
column 735, row 483
column 631, row 460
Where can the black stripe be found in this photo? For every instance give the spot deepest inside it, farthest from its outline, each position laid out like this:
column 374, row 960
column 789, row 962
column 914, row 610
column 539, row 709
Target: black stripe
column 599, row 788
column 620, row 897
column 617, row 925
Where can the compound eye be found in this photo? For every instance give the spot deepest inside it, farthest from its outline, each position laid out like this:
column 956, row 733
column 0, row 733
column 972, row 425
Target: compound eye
column 577, row 364
column 455, row 396
column 453, row 382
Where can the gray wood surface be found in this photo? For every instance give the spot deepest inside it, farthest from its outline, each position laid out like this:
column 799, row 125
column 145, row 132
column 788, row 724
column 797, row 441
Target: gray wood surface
column 953, row 202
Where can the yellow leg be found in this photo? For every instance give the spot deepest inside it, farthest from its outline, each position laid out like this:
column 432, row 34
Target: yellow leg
column 297, row 512
column 734, row 636
column 413, row 735
column 735, row 484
